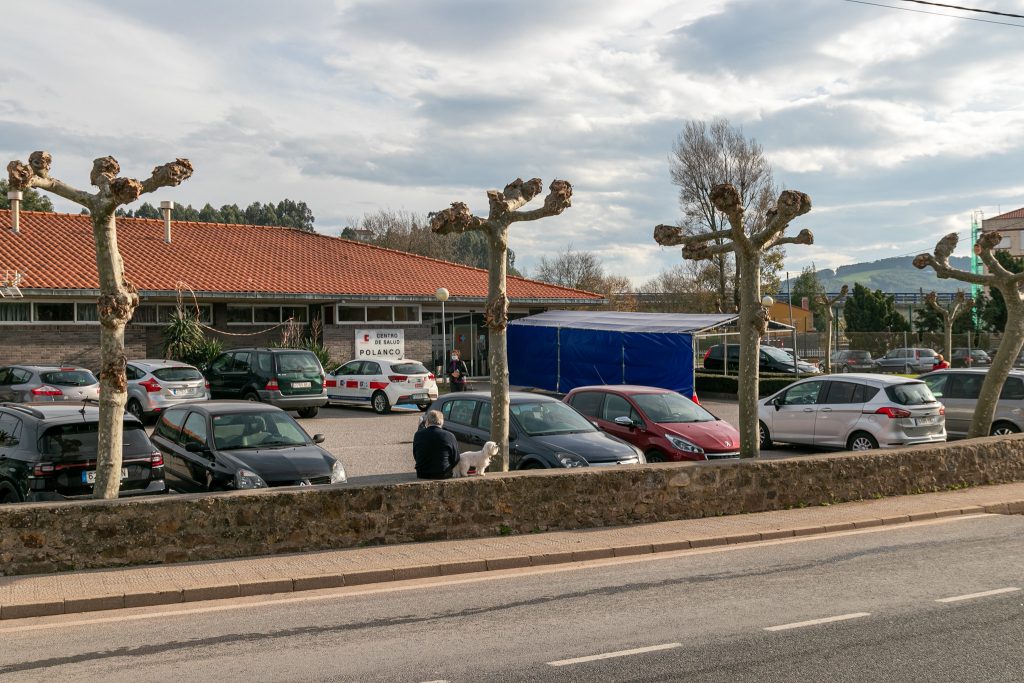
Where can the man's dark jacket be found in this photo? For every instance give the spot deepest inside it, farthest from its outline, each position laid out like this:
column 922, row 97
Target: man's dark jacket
column 436, row 452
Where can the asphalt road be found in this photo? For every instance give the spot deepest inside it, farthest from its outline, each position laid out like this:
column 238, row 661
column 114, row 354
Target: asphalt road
column 937, row 601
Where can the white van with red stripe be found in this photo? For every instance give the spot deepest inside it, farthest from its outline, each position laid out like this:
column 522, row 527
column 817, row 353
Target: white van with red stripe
column 382, row 384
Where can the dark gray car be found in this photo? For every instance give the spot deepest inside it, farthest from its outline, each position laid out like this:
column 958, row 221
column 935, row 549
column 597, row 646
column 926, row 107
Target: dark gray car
column 958, row 390
column 544, row 432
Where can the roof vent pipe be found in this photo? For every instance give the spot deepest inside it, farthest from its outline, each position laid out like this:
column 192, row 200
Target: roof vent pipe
column 15, row 197
column 165, row 210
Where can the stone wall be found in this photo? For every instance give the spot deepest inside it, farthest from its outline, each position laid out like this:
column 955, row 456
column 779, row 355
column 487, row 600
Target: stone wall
column 48, row 537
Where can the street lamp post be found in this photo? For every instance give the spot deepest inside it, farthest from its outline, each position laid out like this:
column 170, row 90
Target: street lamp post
column 442, row 295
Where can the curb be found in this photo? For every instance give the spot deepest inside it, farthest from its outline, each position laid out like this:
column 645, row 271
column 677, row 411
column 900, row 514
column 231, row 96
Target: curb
column 222, row 590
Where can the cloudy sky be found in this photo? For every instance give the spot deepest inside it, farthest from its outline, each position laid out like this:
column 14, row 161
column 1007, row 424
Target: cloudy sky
column 898, row 124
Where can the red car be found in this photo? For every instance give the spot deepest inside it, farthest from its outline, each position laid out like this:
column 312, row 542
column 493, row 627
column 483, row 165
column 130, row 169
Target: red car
column 664, row 424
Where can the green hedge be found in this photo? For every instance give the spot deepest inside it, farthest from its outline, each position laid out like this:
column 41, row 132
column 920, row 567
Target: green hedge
column 721, row 384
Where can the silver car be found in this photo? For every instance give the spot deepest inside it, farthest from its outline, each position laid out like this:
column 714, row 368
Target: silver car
column 854, row 412
column 154, row 385
column 958, row 390
column 29, row 383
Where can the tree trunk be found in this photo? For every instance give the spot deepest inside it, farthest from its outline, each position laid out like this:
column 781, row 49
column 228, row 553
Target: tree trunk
column 1002, row 364
column 497, row 342
column 116, row 304
column 828, row 342
column 947, row 325
column 748, row 267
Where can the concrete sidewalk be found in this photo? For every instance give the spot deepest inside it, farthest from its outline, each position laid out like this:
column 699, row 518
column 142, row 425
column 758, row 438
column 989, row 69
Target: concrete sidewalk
column 71, row 592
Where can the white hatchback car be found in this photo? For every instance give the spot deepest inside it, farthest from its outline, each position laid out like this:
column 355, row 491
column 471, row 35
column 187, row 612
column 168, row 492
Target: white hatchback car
column 856, row 412
column 382, row 384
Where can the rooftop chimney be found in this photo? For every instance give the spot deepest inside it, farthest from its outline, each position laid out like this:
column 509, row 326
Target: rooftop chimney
column 165, row 210
column 15, row 197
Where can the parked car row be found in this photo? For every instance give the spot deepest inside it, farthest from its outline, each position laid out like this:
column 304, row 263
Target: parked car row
column 770, row 359
column 48, row 451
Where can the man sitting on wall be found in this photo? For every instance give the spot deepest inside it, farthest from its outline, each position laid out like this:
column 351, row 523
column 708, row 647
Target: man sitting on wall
column 435, row 450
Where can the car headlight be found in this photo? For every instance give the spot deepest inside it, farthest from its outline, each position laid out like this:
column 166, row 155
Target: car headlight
column 247, row 479
column 684, row 445
column 571, row 460
column 338, row 473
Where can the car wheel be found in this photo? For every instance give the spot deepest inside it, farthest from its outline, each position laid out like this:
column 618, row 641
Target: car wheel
column 423, row 407
column 134, row 407
column 861, row 441
column 380, row 403
column 309, row 412
column 1004, row 428
column 252, row 396
column 8, row 494
column 764, row 436
column 655, row 456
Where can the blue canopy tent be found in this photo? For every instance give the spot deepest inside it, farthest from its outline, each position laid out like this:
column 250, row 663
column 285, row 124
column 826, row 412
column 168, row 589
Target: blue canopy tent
column 561, row 350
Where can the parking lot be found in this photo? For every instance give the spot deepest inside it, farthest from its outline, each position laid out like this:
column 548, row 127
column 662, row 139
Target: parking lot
column 379, row 447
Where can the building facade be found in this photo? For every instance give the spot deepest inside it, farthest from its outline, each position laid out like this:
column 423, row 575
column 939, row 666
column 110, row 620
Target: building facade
column 248, row 284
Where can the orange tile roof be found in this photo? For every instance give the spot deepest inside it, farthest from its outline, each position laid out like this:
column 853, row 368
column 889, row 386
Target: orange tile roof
column 1016, row 213
column 55, row 251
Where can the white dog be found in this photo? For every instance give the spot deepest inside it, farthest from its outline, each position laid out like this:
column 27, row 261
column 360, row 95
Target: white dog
column 478, row 460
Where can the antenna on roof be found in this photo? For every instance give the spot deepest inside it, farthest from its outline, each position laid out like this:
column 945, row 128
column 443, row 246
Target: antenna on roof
column 10, row 284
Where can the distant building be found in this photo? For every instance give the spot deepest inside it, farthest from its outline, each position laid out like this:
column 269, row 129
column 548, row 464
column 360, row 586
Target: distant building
column 1011, row 226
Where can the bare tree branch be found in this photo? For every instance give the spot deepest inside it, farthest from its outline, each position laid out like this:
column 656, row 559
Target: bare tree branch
column 789, row 205
column 456, row 218
column 170, row 174
column 805, row 236
column 940, row 263
column 36, row 174
column 515, row 195
column 558, row 200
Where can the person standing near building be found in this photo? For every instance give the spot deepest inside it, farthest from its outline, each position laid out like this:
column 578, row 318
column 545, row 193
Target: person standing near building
column 434, row 449
column 457, row 372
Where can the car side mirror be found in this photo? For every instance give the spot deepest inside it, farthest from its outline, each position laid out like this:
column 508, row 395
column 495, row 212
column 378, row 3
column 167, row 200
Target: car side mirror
column 319, row 438
column 624, row 421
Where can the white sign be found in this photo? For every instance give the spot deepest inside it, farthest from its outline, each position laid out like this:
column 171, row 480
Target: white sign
column 380, row 343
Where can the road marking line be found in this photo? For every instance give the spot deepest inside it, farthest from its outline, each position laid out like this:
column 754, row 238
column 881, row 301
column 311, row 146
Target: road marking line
column 275, row 599
column 610, row 655
column 984, row 594
column 815, row 622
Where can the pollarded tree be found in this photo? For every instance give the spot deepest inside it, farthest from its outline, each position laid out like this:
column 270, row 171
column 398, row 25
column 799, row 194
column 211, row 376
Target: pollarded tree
column 961, row 304
column 748, row 246
column 504, row 210
column 118, row 297
column 825, row 303
column 1006, row 283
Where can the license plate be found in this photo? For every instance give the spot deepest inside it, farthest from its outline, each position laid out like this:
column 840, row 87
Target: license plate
column 930, row 420
column 89, row 476
column 301, row 385
column 418, row 385
column 181, row 392
column 420, row 397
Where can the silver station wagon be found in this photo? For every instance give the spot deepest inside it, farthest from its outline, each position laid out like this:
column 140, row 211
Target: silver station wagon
column 854, row 412
column 958, row 390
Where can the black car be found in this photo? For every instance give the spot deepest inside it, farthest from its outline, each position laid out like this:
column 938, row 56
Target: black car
column 850, row 360
column 48, row 452
column 969, row 358
column 771, row 359
column 544, row 432
column 291, row 379
column 218, row 445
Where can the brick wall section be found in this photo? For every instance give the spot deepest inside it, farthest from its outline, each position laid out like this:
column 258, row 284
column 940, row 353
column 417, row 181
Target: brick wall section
column 64, row 344
column 340, row 339
column 49, row 537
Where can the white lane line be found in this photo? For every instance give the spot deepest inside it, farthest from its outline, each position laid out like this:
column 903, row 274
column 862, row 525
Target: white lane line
column 815, row 622
column 620, row 653
column 984, row 594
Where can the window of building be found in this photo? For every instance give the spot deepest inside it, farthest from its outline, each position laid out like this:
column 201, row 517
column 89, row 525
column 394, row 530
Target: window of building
column 154, row 314
column 87, row 313
column 52, row 312
column 266, row 314
column 15, row 312
column 351, row 313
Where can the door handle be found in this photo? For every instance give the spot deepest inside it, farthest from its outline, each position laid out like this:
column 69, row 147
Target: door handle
column 808, row 410
column 826, row 410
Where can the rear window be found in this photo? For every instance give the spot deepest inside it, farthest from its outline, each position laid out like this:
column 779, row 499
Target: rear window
column 80, row 438
column 297, row 362
column 860, row 355
column 411, row 368
column 177, row 374
column 69, row 378
column 910, row 394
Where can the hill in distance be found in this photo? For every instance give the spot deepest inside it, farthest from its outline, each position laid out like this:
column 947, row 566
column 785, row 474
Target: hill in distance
column 893, row 275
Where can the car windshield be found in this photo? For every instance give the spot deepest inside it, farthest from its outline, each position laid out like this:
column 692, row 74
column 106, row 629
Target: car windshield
column 910, row 394
column 671, row 407
column 777, row 354
column 263, row 429
column 549, row 417
column 69, row 378
column 297, row 362
column 80, row 438
column 409, row 368
column 178, row 374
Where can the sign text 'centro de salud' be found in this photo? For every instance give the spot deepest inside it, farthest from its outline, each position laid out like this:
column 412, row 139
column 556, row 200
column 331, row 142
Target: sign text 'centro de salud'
column 380, row 343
